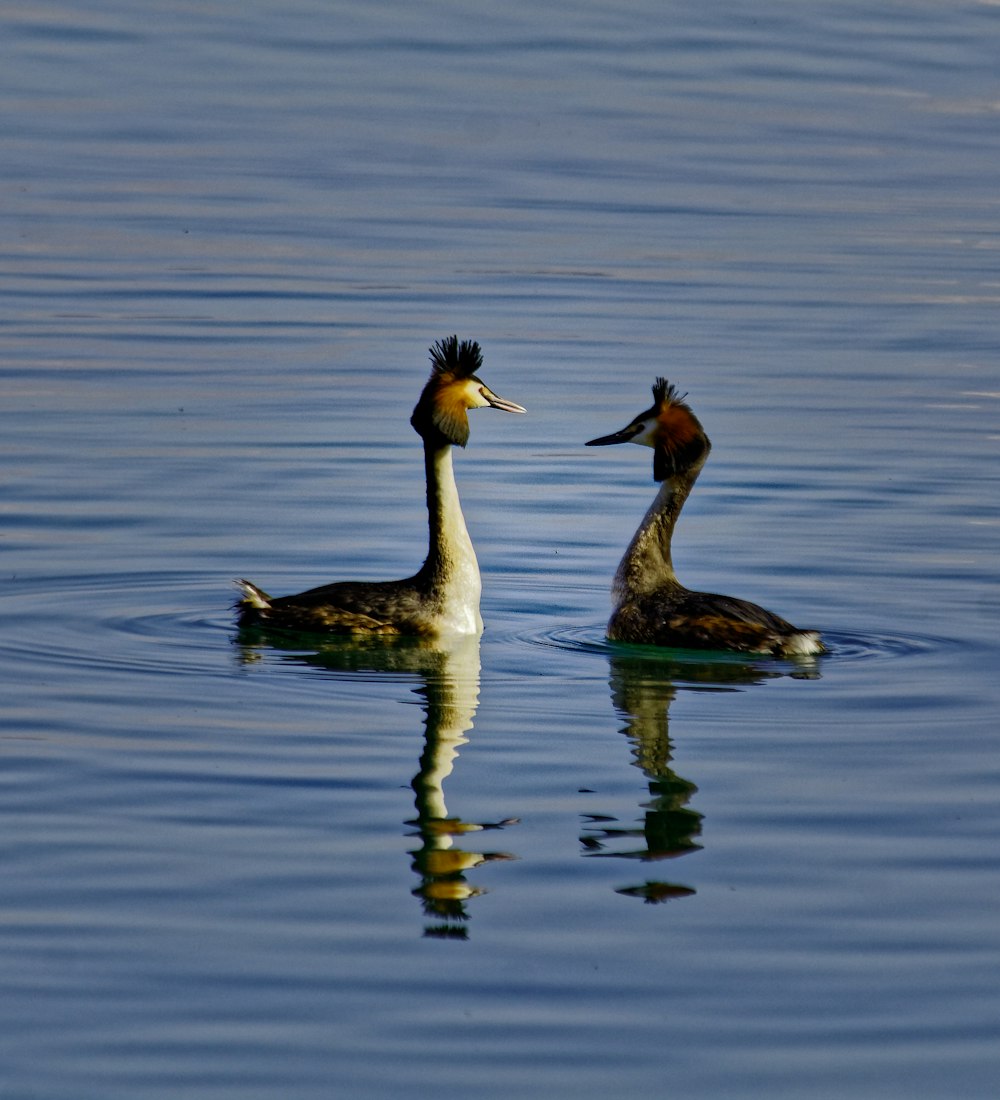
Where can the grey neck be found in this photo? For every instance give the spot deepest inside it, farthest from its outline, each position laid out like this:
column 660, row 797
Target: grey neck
column 647, row 564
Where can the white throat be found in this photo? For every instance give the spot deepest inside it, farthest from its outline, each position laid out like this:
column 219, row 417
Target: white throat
column 455, row 568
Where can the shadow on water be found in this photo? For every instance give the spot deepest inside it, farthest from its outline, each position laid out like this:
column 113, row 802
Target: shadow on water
column 643, row 685
column 449, row 685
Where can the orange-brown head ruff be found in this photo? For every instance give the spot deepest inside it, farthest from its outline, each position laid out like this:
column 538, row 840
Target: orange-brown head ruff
column 452, row 389
column 670, row 427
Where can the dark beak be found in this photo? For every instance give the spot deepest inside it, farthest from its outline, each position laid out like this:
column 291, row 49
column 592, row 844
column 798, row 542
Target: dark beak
column 626, row 435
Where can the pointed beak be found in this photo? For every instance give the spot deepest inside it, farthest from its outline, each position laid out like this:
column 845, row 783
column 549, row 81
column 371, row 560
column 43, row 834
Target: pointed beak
column 626, row 435
column 502, row 403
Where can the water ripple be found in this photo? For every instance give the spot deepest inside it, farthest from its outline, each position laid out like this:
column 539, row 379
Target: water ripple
column 183, row 624
column 180, row 624
column 133, row 622
column 842, row 646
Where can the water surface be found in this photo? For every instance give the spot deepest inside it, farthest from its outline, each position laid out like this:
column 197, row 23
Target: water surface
column 537, row 864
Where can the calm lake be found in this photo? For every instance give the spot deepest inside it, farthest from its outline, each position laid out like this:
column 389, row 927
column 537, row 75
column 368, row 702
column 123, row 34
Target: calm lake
column 534, row 865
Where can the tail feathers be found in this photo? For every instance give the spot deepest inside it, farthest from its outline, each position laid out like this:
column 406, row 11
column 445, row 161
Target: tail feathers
column 253, row 596
column 803, row 643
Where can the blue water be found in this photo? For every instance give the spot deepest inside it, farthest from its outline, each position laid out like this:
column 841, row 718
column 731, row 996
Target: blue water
column 539, row 865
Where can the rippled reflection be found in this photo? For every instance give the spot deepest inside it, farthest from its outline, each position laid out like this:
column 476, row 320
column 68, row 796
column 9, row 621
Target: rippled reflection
column 449, row 672
column 642, row 688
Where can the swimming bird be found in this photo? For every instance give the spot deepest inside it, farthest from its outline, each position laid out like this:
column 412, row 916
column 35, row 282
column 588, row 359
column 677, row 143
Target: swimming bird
column 651, row 606
column 442, row 598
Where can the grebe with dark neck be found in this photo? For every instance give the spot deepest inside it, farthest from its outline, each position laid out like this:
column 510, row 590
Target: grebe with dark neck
column 442, row 598
column 652, row 607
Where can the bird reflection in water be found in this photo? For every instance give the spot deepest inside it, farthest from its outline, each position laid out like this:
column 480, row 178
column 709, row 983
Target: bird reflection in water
column 449, row 673
column 643, row 685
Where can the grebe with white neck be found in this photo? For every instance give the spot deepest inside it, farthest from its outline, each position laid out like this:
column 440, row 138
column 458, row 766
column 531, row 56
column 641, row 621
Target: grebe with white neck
column 442, row 598
column 652, row 607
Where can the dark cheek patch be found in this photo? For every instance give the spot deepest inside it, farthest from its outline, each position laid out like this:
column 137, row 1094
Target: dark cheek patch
column 680, row 445
column 451, row 419
column 679, row 427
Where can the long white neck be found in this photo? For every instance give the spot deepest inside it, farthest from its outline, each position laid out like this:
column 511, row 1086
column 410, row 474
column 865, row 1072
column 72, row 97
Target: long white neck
column 451, row 569
column 647, row 564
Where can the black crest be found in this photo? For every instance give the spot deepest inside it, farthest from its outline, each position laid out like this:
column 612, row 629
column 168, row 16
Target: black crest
column 439, row 413
column 684, row 445
column 461, row 360
column 665, row 391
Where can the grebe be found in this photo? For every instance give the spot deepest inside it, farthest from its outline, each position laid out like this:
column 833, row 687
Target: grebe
column 443, row 597
column 651, row 606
